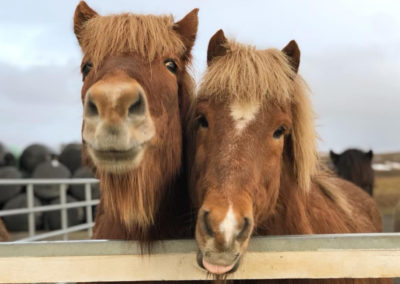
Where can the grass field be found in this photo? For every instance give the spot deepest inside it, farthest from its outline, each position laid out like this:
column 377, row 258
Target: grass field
column 393, row 157
column 387, row 184
column 387, row 191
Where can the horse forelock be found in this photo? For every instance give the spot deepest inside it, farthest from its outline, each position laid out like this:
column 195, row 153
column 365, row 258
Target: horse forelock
column 149, row 36
column 247, row 74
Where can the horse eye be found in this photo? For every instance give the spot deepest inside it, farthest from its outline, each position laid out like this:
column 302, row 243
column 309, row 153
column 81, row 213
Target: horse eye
column 203, row 121
column 171, row 65
column 86, row 67
column 279, row 132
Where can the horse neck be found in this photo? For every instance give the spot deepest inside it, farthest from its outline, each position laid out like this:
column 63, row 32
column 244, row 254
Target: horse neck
column 317, row 212
column 290, row 214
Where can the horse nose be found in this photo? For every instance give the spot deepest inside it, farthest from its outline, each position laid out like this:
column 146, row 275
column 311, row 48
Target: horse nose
column 137, row 107
column 116, row 102
column 91, row 108
column 245, row 230
column 206, row 224
column 231, row 227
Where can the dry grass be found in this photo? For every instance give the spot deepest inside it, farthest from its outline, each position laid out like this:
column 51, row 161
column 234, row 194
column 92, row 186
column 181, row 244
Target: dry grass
column 387, row 192
column 387, row 184
column 393, row 157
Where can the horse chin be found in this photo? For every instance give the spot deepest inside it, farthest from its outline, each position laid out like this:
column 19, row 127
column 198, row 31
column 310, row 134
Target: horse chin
column 117, row 162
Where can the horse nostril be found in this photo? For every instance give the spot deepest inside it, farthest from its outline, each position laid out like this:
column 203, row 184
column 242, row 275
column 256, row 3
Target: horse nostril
column 92, row 108
column 137, row 107
column 244, row 232
column 207, row 224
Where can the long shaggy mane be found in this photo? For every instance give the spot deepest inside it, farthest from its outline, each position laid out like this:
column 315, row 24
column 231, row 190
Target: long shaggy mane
column 328, row 184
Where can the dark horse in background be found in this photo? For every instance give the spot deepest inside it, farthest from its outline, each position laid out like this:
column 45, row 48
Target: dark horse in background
column 356, row 166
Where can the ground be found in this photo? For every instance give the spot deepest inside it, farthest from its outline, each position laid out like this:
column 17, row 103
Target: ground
column 387, row 190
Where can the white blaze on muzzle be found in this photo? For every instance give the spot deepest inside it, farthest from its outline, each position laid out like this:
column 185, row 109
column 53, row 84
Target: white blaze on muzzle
column 229, row 226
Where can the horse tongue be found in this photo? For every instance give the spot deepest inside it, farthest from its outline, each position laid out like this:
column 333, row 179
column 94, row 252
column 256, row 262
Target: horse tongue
column 217, row 269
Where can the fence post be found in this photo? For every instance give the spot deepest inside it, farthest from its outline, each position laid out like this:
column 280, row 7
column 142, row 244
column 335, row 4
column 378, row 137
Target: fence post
column 89, row 216
column 64, row 216
column 30, row 205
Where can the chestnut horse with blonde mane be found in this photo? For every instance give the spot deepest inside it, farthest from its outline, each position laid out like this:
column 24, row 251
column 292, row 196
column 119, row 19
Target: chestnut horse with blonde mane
column 253, row 159
column 136, row 90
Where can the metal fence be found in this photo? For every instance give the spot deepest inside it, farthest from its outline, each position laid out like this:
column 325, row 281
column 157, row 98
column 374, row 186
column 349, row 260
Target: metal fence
column 30, row 209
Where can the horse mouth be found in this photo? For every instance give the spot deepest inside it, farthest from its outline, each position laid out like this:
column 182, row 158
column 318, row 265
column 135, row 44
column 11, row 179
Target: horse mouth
column 116, row 155
column 217, row 269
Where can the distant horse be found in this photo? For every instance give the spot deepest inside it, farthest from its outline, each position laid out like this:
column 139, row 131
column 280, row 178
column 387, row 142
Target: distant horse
column 356, row 166
column 253, row 159
column 135, row 94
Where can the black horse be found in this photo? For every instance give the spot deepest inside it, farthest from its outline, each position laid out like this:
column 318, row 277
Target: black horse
column 356, row 166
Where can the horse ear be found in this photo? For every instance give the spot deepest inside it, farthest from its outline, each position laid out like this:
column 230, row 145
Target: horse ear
column 293, row 52
column 83, row 13
column 216, row 46
column 334, row 157
column 187, row 29
column 370, row 154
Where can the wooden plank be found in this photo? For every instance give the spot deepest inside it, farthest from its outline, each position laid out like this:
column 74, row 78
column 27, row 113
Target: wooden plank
column 318, row 256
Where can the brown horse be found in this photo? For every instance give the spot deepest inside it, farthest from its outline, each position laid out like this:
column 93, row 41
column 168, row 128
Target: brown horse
column 356, row 166
column 253, row 159
column 136, row 90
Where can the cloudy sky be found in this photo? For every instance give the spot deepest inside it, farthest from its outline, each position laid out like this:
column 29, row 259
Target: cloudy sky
column 350, row 58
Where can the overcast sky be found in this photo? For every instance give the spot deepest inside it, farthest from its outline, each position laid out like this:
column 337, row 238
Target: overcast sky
column 350, row 59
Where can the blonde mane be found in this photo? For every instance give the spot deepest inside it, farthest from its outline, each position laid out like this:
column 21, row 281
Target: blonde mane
column 149, row 36
column 266, row 76
column 246, row 73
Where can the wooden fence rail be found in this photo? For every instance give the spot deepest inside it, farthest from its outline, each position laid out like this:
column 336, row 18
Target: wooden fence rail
column 313, row 256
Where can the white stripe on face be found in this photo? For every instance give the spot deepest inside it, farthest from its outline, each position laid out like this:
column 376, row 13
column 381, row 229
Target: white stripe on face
column 228, row 226
column 243, row 114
